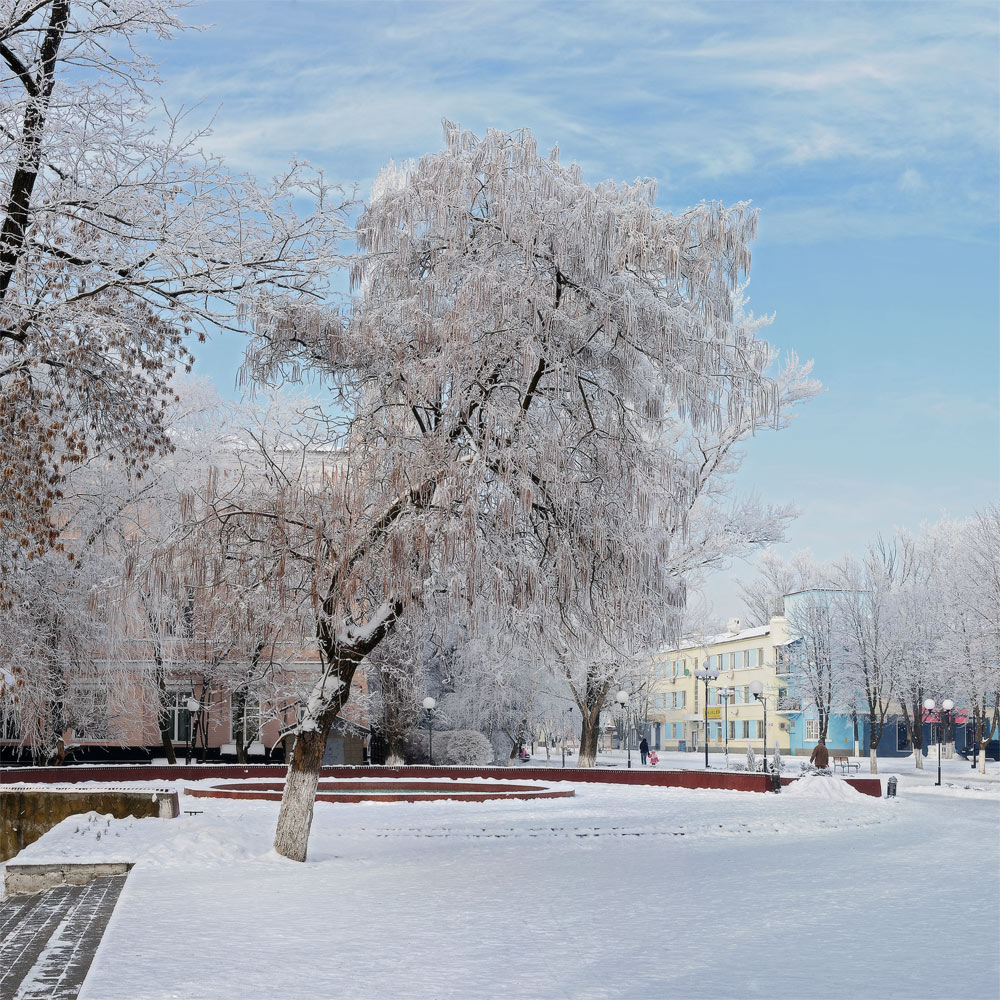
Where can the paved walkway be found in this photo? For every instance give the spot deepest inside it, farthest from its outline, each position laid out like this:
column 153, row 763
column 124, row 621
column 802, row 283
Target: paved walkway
column 48, row 940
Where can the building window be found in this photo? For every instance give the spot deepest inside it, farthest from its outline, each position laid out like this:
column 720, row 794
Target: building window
column 732, row 730
column 812, row 730
column 746, row 694
column 179, row 725
column 746, row 730
column 87, row 711
column 251, row 720
column 753, row 658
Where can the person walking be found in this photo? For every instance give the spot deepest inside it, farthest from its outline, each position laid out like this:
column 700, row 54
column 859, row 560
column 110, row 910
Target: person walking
column 643, row 749
column 820, row 757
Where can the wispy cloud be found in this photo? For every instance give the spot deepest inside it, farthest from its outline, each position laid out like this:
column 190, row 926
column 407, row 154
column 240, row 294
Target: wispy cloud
column 717, row 99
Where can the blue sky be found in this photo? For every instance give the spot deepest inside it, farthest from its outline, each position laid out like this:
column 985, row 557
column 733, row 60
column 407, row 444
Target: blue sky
column 867, row 135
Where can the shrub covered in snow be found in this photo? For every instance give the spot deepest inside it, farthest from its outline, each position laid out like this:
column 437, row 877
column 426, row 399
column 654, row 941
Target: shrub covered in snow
column 418, row 747
column 806, row 768
column 469, row 748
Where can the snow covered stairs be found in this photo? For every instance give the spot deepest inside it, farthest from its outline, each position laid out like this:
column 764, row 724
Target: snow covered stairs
column 48, row 940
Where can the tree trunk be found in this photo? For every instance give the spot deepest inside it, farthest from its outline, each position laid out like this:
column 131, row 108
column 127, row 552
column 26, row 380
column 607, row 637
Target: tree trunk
column 291, row 838
column 239, row 704
column 164, row 720
column 395, row 751
column 873, row 760
column 18, row 209
column 166, row 738
column 341, row 661
column 515, row 750
column 589, row 732
column 163, row 717
column 918, row 758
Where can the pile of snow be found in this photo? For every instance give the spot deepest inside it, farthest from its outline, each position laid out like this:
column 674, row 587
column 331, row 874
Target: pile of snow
column 820, row 786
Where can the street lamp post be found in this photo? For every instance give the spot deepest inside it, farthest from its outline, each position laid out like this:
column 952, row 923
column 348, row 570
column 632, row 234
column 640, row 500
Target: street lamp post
column 193, row 707
column 947, row 705
column 757, row 690
column 706, row 676
column 429, row 705
column 622, row 699
column 727, row 693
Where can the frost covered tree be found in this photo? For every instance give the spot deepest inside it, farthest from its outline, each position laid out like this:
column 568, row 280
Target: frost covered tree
column 870, row 632
column 764, row 596
column 972, row 621
column 401, row 673
column 509, row 379
column 63, row 673
column 817, row 652
column 119, row 236
column 921, row 607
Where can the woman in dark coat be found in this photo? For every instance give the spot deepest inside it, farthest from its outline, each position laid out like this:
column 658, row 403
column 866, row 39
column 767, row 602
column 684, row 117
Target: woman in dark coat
column 643, row 749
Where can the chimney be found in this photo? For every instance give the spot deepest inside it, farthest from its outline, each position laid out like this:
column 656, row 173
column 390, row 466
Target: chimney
column 733, row 625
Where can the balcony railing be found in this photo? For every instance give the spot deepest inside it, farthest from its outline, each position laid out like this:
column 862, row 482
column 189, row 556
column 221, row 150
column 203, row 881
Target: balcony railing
column 787, row 704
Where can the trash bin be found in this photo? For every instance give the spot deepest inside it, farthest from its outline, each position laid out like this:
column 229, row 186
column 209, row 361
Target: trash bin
column 890, row 788
column 775, row 781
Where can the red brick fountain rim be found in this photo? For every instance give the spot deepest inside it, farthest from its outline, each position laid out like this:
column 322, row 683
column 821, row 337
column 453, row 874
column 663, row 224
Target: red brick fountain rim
column 386, row 791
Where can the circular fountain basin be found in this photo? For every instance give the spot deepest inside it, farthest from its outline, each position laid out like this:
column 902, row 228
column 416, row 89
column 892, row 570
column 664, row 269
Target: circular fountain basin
column 398, row 790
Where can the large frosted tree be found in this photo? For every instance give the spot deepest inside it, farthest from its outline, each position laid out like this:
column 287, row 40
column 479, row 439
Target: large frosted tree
column 119, row 237
column 509, row 380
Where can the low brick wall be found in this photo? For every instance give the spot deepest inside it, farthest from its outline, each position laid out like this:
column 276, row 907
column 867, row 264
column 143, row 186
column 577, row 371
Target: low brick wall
column 732, row 780
column 29, row 812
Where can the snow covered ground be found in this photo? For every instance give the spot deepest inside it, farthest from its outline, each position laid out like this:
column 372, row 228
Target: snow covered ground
column 620, row 892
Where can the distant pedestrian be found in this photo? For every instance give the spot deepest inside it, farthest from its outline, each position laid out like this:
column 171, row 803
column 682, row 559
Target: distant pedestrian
column 643, row 749
column 820, row 757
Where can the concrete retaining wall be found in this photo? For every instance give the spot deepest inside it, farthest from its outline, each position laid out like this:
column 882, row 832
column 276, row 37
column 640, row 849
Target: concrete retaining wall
column 28, row 812
column 20, row 879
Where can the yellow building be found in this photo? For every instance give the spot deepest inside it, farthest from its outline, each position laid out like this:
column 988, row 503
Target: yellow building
column 676, row 716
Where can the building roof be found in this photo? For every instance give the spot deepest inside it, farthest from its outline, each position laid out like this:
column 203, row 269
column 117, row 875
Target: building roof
column 691, row 642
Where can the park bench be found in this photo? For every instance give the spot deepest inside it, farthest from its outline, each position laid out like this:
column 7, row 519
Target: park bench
column 846, row 764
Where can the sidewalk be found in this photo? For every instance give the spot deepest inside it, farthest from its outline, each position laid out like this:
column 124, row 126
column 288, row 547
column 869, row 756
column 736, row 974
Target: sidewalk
column 956, row 771
column 48, row 939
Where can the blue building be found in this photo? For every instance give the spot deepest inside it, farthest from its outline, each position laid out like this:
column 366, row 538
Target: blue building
column 808, row 618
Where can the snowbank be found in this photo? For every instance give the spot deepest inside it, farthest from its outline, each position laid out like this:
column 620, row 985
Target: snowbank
column 821, row 786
